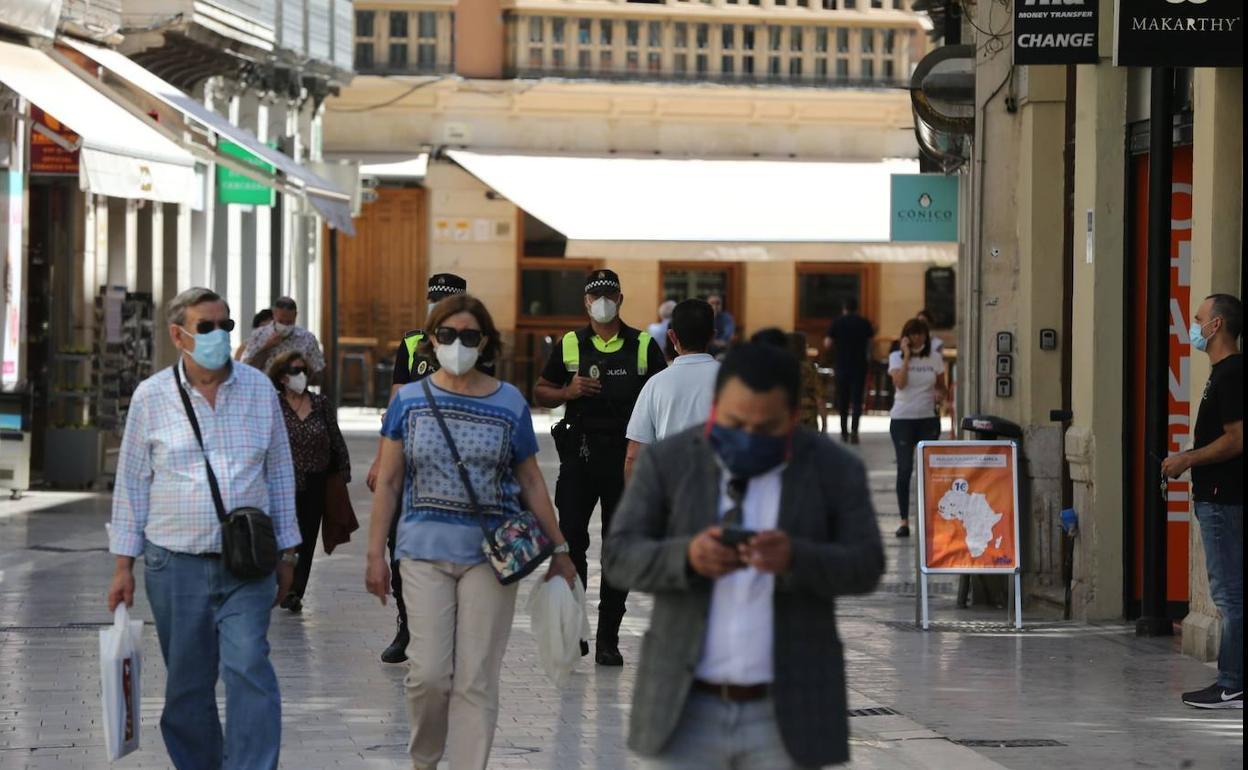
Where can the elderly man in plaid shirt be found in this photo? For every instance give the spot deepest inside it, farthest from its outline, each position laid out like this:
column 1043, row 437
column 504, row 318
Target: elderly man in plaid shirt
column 210, row 623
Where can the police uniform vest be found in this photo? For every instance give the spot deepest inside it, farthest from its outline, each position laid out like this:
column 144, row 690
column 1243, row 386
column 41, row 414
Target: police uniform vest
column 417, row 365
column 620, row 365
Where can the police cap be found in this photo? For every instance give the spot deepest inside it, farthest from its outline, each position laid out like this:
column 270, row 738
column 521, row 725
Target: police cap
column 443, row 285
column 602, row 282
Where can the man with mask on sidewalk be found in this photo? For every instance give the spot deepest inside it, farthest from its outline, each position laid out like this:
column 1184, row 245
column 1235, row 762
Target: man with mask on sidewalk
column 680, row 396
column 282, row 335
column 745, row 530
column 210, row 623
column 598, row 372
column 1217, row 464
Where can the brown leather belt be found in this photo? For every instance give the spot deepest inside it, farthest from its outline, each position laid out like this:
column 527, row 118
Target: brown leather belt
column 735, row 693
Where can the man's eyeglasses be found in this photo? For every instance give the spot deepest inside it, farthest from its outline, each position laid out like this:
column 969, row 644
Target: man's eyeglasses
column 445, row 335
column 295, row 371
column 207, row 327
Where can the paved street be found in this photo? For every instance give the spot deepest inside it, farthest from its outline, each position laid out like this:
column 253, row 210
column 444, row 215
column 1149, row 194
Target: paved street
column 1056, row 694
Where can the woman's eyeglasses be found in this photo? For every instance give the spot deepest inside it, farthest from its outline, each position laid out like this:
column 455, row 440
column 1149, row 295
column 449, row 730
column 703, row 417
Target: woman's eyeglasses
column 295, row 371
column 471, row 338
column 207, row 327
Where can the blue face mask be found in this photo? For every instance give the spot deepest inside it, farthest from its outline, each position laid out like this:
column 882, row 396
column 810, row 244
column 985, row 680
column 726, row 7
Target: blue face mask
column 748, row 454
column 212, row 350
column 1199, row 341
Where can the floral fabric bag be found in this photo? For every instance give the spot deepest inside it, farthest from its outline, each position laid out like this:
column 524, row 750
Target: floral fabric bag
column 517, row 546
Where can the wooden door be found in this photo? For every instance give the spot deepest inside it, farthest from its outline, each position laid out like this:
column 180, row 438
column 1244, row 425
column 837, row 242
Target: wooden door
column 382, row 270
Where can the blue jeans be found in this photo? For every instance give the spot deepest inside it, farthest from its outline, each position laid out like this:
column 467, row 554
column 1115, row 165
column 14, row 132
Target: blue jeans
column 212, row 624
column 714, row 734
column 906, row 434
column 1222, row 533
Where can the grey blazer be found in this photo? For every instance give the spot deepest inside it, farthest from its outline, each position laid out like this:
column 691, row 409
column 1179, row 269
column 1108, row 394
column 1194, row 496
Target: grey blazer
column 825, row 506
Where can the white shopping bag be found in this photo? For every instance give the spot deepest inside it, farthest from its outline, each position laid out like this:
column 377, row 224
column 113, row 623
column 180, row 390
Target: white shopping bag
column 120, row 665
column 559, row 622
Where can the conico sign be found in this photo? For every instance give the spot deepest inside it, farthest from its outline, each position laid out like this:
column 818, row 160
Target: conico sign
column 1179, row 33
column 924, row 207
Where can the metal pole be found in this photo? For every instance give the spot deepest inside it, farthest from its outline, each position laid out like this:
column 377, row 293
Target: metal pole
column 1154, row 619
column 333, row 317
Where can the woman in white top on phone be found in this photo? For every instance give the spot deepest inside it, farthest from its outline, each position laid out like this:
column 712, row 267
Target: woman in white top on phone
column 918, row 373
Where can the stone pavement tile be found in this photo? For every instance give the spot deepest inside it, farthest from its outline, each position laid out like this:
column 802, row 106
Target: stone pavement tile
column 1109, row 698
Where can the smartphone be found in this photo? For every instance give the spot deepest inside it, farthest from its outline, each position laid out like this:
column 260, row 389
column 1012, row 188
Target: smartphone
column 735, row 536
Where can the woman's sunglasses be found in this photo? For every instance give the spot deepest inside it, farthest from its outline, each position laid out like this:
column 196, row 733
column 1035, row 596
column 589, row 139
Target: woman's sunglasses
column 471, row 338
column 207, row 327
column 295, row 371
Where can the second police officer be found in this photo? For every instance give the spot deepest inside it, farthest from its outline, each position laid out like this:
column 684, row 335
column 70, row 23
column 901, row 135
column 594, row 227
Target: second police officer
column 598, row 372
column 410, row 366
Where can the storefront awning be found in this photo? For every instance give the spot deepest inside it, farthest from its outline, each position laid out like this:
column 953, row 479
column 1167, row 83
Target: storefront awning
column 755, row 210
column 327, row 199
column 405, row 169
column 121, row 156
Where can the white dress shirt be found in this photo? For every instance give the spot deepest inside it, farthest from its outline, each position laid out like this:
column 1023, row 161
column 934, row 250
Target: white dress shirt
column 676, row 398
column 738, row 645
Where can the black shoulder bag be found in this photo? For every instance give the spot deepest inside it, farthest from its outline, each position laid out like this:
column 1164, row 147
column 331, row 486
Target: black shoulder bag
column 248, row 542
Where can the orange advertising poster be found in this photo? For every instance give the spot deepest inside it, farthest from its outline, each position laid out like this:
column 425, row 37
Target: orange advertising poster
column 968, row 493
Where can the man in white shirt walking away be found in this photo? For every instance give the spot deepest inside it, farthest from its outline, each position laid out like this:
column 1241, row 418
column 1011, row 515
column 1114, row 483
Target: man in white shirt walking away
column 680, row 396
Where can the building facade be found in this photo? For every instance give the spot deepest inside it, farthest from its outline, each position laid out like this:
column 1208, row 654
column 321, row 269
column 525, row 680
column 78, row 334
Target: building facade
column 150, row 147
column 1060, row 194
column 555, row 137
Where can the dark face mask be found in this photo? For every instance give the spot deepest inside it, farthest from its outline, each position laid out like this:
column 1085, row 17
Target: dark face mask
column 748, row 454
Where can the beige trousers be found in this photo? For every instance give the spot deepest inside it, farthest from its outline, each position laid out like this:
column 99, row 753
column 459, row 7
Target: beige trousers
column 459, row 618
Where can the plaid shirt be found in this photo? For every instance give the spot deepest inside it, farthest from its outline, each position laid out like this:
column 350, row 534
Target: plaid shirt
column 299, row 339
column 161, row 492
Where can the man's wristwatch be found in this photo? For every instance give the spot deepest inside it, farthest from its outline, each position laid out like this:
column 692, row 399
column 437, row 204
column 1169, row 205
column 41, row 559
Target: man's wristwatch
column 291, row 558
column 562, row 548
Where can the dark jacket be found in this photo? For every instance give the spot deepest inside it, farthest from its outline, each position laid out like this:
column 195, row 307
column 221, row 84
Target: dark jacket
column 825, row 506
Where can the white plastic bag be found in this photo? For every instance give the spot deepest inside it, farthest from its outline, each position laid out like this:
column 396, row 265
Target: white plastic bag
column 559, row 622
column 120, row 665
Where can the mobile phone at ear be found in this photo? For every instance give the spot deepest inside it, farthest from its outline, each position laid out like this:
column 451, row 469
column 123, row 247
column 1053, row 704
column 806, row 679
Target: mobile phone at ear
column 735, row 536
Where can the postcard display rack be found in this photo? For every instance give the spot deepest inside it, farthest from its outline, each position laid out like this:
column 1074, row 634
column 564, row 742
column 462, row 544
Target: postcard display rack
column 92, row 390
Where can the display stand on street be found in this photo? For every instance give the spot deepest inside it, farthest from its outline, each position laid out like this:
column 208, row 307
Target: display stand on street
column 968, row 514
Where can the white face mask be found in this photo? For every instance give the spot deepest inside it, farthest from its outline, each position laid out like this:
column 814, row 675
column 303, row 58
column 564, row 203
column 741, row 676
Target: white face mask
column 280, row 328
column 456, row 358
column 429, row 309
column 603, row 310
column 297, row 383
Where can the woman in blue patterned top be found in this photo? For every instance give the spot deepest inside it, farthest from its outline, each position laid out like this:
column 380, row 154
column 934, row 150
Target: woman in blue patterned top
column 459, row 615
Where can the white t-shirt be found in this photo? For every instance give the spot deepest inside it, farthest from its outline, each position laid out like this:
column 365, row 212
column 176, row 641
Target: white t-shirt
column 918, row 399
column 676, row 398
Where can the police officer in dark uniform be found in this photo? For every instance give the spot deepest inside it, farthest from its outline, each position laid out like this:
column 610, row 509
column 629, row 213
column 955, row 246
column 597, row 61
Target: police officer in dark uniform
column 597, row 371
column 410, row 366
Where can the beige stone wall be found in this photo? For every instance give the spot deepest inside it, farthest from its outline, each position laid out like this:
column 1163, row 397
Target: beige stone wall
column 640, row 281
column 900, row 297
column 1094, row 440
column 488, row 264
column 567, row 117
column 1217, row 266
column 770, row 295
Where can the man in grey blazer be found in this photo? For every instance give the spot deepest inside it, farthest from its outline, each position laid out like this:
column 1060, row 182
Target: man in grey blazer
column 745, row 530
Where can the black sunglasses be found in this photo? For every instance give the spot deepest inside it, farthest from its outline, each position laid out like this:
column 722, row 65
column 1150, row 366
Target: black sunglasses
column 207, row 327
column 295, row 371
column 471, row 338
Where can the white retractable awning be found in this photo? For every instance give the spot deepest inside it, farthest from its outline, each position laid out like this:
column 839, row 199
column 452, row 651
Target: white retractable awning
column 648, row 208
column 404, row 169
column 120, row 155
column 331, row 202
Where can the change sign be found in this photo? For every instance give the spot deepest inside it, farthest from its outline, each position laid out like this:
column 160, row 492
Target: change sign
column 1179, row 33
column 1055, row 31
